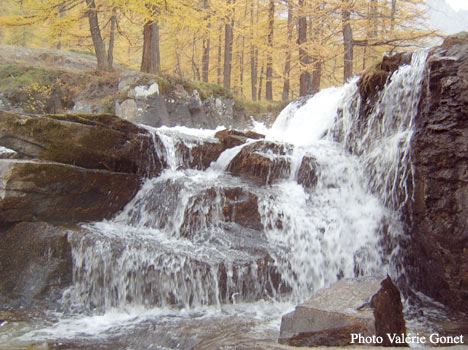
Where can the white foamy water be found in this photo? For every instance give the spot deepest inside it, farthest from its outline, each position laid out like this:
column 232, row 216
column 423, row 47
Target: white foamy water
column 182, row 248
column 303, row 125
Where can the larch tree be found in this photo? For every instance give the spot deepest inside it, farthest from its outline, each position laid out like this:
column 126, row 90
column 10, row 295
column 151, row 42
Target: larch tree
column 269, row 64
column 304, row 57
column 151, row 56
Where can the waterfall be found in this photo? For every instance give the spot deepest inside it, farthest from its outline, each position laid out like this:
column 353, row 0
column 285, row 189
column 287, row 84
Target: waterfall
column 332, row 211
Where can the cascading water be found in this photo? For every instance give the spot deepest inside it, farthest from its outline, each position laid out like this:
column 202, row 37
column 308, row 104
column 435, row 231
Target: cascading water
column 184, row 242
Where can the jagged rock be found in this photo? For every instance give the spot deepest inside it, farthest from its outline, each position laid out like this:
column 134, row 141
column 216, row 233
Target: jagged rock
column 368, row 306
column 142, row 99
column 36, row 263
column 101, row 142
column 262, row 161
column 437, row 215
column 47, row 191
column 232, row 138
column 307, row 173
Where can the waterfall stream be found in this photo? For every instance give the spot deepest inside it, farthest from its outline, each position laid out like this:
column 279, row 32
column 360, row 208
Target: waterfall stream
column 182, row 246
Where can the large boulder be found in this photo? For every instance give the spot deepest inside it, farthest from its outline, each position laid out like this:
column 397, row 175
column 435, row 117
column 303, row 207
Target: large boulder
column 103, row 142
column 438, row 212
column 36, row 263
column 263, row 162
column 369, row 307
column 33, row 190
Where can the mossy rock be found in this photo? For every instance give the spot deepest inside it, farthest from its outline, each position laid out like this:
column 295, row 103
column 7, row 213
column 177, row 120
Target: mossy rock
column 374, row 78
column 455, row 39
column 103, row 142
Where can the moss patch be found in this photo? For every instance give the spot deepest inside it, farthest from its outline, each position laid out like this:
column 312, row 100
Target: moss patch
column 40, row 91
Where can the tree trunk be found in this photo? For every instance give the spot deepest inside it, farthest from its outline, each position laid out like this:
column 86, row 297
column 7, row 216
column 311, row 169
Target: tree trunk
column 220, row 42
column 61, row 14
column 260, row 85
column 347, row 42
column 392, row 16
column 195, row 69
column 151, row 58
column 316, row 77
column 206, row 47
column 253, row 66
column 269, row 69
column 287, row 64
column 228, row 42
column 110, row 51
column 241, row 67
column 99, row 47
column 304, row 58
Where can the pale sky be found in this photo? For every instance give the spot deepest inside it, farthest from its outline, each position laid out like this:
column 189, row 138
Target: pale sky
column 458, row 4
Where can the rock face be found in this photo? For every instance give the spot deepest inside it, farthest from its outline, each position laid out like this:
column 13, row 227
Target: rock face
column 437, row 217
column 142, row 100
column 102, row 142
column 48, row 191
column 71, row 168
column 36, row 263
column 367, row 306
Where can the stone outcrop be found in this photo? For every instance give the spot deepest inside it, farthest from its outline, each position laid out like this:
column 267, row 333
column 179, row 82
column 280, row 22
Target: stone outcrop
column 368, row 306
column 36, row 263
column 263, row 162
column 143, row 98
column 437, row 217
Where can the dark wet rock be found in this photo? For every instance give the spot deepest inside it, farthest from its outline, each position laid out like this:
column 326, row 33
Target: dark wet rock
column 231, row 138
column 369, row 306
column 307, row 173
column 102, row 142
column 47, row 191
column 228, row 205
column 36, row 265
column 262, row 161
column 437, row 215
column 200, row 155
column 241, row 207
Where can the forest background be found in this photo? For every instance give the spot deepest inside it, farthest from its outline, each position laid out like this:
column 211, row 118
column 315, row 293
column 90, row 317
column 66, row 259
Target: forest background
column 258, row 49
